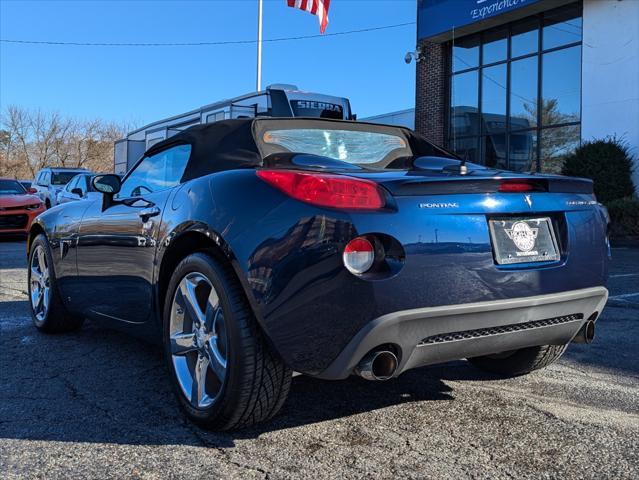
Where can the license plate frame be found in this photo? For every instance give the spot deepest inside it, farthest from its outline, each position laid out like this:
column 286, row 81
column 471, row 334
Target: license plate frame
column 518, row 240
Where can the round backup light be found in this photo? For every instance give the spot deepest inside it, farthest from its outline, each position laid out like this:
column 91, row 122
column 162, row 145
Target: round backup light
column 359, row 255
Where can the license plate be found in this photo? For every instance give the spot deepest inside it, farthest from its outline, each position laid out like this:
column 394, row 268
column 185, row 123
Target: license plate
column 523, row 240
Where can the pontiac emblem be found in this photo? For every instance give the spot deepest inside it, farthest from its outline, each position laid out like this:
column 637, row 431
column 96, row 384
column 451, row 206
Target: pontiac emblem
column 528, row 200
column 439, row 205
column 522, row 236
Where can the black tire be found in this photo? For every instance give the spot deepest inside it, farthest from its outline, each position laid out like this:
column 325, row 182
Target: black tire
column 57, row 318
column 257, row 382
column 519, row 362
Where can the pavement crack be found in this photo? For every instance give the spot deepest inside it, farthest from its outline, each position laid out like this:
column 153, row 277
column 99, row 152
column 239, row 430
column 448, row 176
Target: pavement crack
column 205, row 442
column 18, row 290
column 77, row 395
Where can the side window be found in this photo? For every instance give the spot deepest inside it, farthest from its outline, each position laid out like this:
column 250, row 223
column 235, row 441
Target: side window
column 214, row 117
column 82, row 184
column 46, row 178
column 71, row 185
column 158, row 172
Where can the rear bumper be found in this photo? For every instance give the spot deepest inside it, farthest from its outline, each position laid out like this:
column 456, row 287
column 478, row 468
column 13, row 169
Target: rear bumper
column 425, row 336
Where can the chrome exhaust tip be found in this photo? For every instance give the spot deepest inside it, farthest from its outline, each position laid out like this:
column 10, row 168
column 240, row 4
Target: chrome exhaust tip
column 377, row 365
column 586, row 333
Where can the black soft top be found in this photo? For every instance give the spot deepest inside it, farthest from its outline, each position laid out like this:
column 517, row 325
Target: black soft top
column 232, row 144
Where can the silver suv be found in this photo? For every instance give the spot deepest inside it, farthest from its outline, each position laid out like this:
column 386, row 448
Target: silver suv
column 50, row 181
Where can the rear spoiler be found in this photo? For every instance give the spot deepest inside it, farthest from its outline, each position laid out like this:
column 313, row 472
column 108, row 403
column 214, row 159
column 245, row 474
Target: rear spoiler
column 443, row 186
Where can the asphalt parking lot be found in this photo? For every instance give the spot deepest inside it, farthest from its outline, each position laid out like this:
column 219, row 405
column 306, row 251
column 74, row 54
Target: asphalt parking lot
column 97, row 404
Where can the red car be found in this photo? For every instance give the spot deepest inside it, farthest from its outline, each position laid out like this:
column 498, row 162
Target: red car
column 18, row 207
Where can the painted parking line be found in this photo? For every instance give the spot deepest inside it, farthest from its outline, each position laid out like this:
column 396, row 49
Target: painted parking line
column 623, row 295
column 624, row 300
column 623, row 275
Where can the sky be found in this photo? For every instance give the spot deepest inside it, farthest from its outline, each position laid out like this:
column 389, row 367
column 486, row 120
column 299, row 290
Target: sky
column 137, row 85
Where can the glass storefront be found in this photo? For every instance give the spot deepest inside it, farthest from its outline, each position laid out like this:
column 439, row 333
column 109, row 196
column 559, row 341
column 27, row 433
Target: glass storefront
column 515, row 92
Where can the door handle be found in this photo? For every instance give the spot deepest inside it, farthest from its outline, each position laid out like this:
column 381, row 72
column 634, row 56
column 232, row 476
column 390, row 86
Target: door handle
column 148, row 212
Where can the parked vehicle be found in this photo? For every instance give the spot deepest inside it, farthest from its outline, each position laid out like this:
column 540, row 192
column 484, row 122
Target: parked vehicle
column 79, row 187
column 26, row 184
column 278, row 100
column 254, row 248
column 18, row 207
column 49, row 182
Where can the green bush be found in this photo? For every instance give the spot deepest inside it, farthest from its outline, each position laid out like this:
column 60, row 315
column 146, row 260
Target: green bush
column 624, row 217
column 608, row 163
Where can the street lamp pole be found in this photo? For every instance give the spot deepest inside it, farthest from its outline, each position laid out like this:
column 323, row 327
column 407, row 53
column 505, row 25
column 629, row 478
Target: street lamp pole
column 258, row 86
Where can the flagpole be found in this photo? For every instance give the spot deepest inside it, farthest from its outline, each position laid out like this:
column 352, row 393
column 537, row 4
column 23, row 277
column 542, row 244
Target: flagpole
column 259, row 46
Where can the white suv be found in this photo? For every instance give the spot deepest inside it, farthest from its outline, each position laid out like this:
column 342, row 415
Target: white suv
column 50, row 181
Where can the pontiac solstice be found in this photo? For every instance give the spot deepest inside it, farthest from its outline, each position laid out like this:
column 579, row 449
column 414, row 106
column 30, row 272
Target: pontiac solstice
column 253, row 248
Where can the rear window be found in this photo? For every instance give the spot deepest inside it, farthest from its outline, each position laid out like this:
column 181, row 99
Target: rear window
column 62, row 178
column 351, row 146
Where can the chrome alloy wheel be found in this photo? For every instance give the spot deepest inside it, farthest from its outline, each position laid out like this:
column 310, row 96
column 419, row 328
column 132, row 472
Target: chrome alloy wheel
column 198, row 340
column 39, row 283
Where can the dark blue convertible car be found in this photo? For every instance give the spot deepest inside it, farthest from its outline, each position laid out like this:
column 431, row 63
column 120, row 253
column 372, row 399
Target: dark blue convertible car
column 257, row 247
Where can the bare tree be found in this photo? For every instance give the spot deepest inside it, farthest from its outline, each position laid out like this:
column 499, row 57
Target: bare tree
column 558, row 142
column 33, row 139
column 16, row 150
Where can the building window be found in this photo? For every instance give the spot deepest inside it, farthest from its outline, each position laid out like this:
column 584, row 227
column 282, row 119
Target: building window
column 215, row 117
column 515, row 92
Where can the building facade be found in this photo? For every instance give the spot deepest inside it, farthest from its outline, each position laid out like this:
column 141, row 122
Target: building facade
column 403, row 118
column 519, row 84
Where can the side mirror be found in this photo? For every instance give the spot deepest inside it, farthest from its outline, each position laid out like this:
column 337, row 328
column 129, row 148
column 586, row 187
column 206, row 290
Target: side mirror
column 108, row 184
column 77, row 191
column 32, row 191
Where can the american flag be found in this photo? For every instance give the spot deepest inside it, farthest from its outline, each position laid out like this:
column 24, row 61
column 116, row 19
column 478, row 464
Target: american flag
column 314, row 7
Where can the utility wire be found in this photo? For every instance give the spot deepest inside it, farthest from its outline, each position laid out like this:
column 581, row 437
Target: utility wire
column 201, row 44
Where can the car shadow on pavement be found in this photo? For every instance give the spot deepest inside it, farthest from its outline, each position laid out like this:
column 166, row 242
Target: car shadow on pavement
column 312, row 400
column 11, row 238
column 14, row 252
column 102, row 386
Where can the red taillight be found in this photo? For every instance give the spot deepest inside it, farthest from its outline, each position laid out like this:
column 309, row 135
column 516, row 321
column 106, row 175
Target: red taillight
column 515, row 187
column 359, row 255
column 326, row 190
